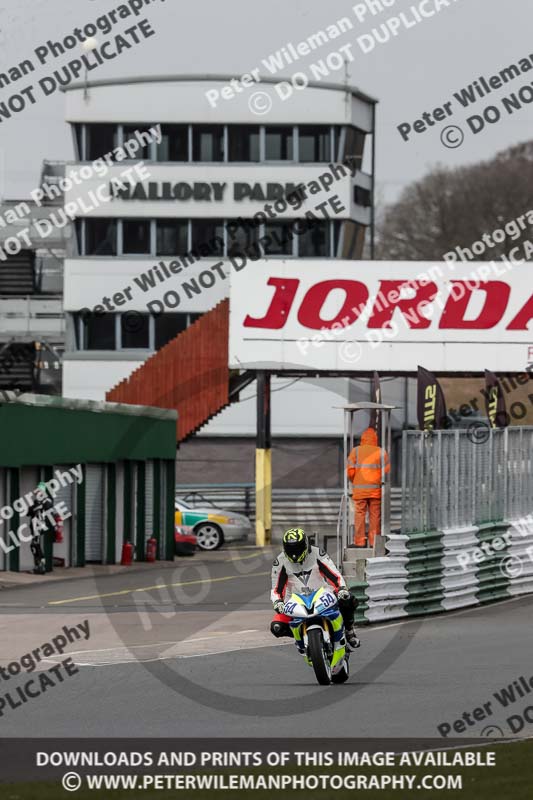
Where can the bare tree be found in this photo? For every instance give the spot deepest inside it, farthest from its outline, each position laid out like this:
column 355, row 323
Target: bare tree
column 452, row 208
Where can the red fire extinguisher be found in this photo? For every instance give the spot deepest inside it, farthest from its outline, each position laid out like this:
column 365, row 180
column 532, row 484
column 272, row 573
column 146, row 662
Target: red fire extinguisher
column 58, row 534
column 127, row 554
column 151, row 549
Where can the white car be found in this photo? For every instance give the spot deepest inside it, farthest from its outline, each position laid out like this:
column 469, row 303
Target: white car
column 211, row 526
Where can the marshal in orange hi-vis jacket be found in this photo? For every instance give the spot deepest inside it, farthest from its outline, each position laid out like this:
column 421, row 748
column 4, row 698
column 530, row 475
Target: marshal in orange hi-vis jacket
column 367, row 465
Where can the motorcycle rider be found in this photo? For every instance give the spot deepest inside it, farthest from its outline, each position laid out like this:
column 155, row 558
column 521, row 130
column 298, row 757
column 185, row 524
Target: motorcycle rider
column 39, row 514
column 300, row 564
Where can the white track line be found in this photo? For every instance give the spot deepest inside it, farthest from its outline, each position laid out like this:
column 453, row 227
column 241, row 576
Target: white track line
column 375, row 627
column 444, row 615
column 179, row 657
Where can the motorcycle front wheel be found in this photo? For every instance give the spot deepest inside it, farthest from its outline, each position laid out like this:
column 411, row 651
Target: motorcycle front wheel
column 342, row 675
column 319, row 659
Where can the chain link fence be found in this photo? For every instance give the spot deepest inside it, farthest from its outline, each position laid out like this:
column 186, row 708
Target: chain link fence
column 452, row 479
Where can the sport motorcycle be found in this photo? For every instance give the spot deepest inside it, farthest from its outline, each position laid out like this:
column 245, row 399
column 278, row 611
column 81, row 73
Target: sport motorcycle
column 318, row 630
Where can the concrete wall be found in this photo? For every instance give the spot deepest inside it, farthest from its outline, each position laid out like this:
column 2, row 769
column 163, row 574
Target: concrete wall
column 296, row 463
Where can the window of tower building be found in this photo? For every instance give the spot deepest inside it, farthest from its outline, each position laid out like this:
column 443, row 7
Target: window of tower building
column 128, row 331
column 172, row 237
column 243, row 143
column 100, row 140
column 241, row 237
column 337, row 228
column 353, row 240
column 208, row 143
column 78, row 132
column 314, row 143
column 354, row 146
column 362, row 197
column 77, row 330
column 100, row 237
column 174, row 145
column 129, row 132
column 280, row 239
column 136, row 237
column 79, row 227
column 99, row 332
column 316, row 240
column 135, row 331
column 167, row 326
column 336, row 143
column 208, row 236
column 279, row 144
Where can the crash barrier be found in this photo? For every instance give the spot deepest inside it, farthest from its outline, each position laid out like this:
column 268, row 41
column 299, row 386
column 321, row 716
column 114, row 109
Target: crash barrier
column 314, row 509
column 467, row 526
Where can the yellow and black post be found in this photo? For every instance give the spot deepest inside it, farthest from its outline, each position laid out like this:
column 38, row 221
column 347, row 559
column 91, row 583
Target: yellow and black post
column 263, row 463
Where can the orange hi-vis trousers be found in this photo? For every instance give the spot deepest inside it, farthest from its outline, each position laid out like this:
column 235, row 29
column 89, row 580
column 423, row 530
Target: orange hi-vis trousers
column 373, row 506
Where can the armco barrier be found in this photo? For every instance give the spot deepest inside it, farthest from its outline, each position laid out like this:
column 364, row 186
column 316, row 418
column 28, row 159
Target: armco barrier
column 521, row 551
column 423, row 574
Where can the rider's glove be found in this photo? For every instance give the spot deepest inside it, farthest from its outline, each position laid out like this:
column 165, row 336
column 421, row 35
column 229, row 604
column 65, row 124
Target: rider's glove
column 279, row 606
column 343, row 594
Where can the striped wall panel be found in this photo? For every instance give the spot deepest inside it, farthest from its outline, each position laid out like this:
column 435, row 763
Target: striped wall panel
column 190, row 374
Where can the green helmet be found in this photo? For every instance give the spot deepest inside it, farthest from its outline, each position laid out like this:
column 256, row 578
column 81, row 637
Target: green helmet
column 295, row 545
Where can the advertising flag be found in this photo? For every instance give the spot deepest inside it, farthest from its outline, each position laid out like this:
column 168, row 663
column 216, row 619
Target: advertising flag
column 431, row 406
column 495, row 401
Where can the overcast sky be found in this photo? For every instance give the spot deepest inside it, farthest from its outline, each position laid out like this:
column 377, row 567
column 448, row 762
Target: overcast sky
column 416, row 71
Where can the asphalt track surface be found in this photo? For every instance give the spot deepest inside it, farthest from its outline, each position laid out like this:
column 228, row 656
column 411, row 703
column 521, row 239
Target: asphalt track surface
column 184, row 650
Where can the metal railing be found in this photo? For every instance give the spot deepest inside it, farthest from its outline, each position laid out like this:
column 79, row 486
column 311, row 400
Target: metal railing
column 457, row 478
column 316, row 509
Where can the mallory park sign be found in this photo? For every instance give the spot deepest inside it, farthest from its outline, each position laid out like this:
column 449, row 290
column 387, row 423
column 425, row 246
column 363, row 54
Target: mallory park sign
column 202, row 191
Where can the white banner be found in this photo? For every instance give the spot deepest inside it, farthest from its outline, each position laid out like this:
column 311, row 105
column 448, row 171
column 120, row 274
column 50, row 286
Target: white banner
column 387, row 316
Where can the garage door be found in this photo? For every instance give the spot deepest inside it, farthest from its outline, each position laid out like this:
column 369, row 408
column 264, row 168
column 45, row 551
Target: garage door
column 163, row 510
column 66, row 494
column 94, row 512
column 4, row 530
